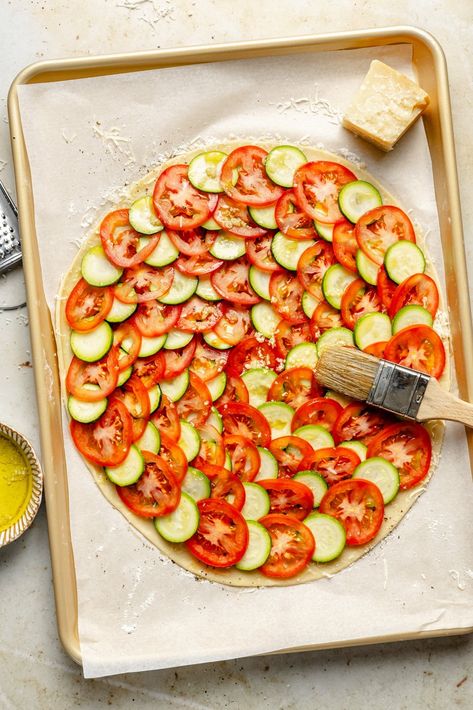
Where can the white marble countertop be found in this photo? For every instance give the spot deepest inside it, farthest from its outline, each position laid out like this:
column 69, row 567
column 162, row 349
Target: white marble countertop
column 34, row 670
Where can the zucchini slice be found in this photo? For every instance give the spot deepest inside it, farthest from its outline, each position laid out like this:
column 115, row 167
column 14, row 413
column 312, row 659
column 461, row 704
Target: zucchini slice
column 258, row 380
column 92, row 344
column 357, row 446
column 120, row 311
column 129, row 471
column 411, row 315
column 282, row 162
column 403, row 259
column 264, row 216
column 329, row 535
column 189, row 441
column 150, row 440
column 324, row 230
column 279, row 416
column 309, row 304
column 302, row 355
column 164, row 252
column 176, row 387
column 268, row 465
column 259, row 547
column 315, row 482
column 372, row 328
column 256, row 502
column 334, row 336
column 382, row 473
column 336, row 279
column 182, row 288
column 317, row 436
column 143, row 217
column 357, row 197
column 97, row 270
column 182, row 523
column 177, row 339
column 196, row 484
column 259, row 281
column 85, row 412
column 228, row 247
column 206, row 291
column 217, row 385
column 367, row 269
column 265, row 319
column 204, row 171
column 287, row 252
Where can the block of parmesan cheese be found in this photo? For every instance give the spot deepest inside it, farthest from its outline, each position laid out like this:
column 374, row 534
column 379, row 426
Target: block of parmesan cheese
column 386, row 104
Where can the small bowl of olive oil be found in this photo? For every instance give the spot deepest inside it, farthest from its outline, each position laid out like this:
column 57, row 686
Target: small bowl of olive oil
column 21, row 484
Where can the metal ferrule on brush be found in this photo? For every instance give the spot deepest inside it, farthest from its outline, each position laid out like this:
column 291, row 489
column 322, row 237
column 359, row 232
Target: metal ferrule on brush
column 398, row 389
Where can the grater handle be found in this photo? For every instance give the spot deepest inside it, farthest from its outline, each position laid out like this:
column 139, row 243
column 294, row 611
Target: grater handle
column 10, row 248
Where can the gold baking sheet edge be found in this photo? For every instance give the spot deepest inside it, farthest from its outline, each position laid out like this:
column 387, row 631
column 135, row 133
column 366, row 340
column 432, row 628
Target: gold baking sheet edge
column 427, row 55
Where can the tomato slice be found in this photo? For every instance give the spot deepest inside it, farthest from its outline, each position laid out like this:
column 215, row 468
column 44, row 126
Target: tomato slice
column 234, row 218
column 222, row 536
column 150, row 369
column 357, row 300
column 334, row 464
column 102, row 374
column 134, row 395
column 250, row 353
column 143, row 283
column 289, row 451
column 105, row 442
column 295, row 386
column 408, row 447
column 252, row 185
column 286, row 297
column 174, row 456
column 292, row 546
column 198, row 315
column 87, row 306
column 121, row 243
column 179, row 205
column 211, row 449
column 198, row 265
column 175, row 361
column 192, row 242
column 419, row 347
column 129, row 334
column 195, row 405
column 234, row 325
column 208, row 362
column 359, row 421
column 323, row 318
column 291, row 219
column 358, row 505
column 153, row 318
column 156, row 492
column 418, row 289
column 376, row 349
column 259, row 253
column 317, row 186
column 313, row 263
column 231, row 281
column 244, row 456
column 235, row 391
column 166, row 419
column 385, row 287
column 380, row 227
column 288, row 335
column 243, row 419
column 288, row 497
column 344, row 244
column 321, row 411
column 225, row 485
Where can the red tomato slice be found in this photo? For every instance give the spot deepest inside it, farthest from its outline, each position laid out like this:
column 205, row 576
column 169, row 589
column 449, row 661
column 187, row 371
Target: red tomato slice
column 235, row 218
column 323, row 318
column 127, row 331
column 418, row 289
column 166, row 419
column 321, row 411
column 357, row 300
column 289, row 451
column 344, row 244
column 234, row 325
column 380, row 227
column 232, row 283
column 225, row 485
column 192, row 242
column 208, row 362
column 359, row 421
column 250, row 353
column 317, row 186
column 313, row 263
column 376, row 349
column 235, row 391
column 291, row 219
column 198, row 265
column 179, row 205
column 244, row 455
column 286, row 297
column 143, row 283
column 150, row 369
column 245, row 420
column 334, row 464
column 103, row 374
column 419, row 347
column 252, row 186
column 222, row 536
column 288, row 335
column 292, row 546
column 195, row 405
column 198, row 315
column 121, row 243
column 175, row 361
column 358, row 505
column 295, row 387
column 174, row 456
column 153, row 318
column 259, row 252
column 156, row 492
column 134, row 395
column 385, row 287
column 87, row 306
column 211, row 449
column 105, row 442
column 288, row 497
column 408, row 447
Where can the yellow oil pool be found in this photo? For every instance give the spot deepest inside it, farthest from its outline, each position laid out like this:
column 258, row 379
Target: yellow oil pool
column 16, row 482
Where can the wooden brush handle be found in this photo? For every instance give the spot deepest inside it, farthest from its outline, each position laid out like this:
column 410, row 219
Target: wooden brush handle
column 439, row 404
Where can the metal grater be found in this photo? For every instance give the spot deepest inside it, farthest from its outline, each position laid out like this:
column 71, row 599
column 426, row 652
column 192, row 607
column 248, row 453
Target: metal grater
column 10, row 248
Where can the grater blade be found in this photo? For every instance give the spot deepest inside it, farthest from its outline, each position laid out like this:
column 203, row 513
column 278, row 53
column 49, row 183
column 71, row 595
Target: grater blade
column 10, row 248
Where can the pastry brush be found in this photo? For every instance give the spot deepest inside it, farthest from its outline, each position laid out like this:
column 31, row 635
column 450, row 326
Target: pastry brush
column 395, row 388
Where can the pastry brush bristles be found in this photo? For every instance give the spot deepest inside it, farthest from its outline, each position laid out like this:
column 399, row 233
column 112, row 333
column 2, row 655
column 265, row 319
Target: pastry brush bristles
column 347, row 370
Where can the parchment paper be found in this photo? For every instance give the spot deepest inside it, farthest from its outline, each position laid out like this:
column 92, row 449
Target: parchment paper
column 88, row 139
